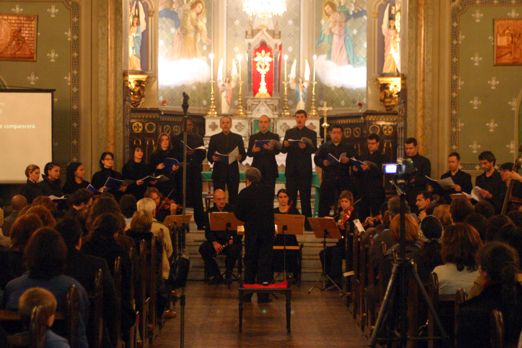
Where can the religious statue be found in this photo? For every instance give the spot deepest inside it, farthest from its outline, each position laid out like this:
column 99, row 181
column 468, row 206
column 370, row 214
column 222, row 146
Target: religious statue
column 336, row 36
column 138, row 25
column 391, row 31
column 299, row 84
column 226, row 86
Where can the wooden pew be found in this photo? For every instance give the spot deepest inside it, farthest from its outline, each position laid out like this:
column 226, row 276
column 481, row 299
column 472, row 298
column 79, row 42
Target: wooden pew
column 96, row 312
column 35, row 337
column 141, row 296
column 116, row 326
column 497, row 329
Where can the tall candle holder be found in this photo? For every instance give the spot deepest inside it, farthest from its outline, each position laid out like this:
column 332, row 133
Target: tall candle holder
column 212, row 112
column 313, row 108
column 240, row 111
column 285, row 112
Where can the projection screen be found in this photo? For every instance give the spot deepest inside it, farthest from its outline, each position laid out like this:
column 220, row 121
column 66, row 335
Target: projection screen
column 26, row 132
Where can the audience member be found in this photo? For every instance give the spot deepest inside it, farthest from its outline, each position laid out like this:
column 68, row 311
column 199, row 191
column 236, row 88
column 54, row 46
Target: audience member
column 428, row 256
column 460, row 208
column 479, row 222
column 18, row 202
column 485, row 209
column 494, row 224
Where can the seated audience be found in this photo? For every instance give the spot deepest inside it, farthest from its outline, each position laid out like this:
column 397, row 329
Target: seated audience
column 45, row 256
column 18, row 202
column 45, row 300
column 485, row 209
column 44, row 214
column 460, row 208
column 511, row 235
column 460, row 243
column 80, row 202
column 442, row 213
column 128, row 208
column 479, row 222
column 494, row 224
column 498, row 264
column 428, row 257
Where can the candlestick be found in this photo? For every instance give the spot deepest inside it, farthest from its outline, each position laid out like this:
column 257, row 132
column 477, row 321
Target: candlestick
column 284, row 70
column 313, row 109
column 212, row 112
column 315, row 59
column 239, row 109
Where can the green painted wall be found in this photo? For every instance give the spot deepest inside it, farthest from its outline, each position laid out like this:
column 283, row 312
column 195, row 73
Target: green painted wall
column 484, row 96
column 57, row 31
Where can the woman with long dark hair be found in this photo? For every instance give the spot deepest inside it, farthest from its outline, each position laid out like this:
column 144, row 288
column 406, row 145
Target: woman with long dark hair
column 99, row 178
column 498, row 264
column 292, row 257
column 75, row 179
column 162, row 164
column 136, row 169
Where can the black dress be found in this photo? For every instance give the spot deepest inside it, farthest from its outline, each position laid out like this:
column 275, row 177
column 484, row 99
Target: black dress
column 31, row 190
column 99, row 178
column 51, row 187
column 170, row 186
column 135, row 171
column 73, row 186
column 292, row 256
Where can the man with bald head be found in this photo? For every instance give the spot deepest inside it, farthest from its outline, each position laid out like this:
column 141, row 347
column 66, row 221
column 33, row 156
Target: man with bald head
column 263, row 147
column 18, row 202
column 219, row 242
column 223, row 173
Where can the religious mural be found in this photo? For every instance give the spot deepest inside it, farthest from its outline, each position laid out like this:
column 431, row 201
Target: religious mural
column 390, row 44
column 138, row 35
column 341, row 52
column 184, row 45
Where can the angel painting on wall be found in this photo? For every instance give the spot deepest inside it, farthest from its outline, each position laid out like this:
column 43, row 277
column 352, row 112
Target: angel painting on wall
column 299, row 84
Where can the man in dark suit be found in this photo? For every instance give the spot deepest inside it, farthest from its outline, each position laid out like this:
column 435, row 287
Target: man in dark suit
column 422, row 168
column 299, row 144
column 83, row 268
column 461, row 179
column 369, row 179
column 493, row 189
column 223, row 173
column 333, row 157
column 264, row 155
column 219, row 242
column 255, row 208
column 195, row 155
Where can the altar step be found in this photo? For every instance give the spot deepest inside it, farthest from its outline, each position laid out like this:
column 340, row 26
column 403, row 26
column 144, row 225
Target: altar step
column 311, row 270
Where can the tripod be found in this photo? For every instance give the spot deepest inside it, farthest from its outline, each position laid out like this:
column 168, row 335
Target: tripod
column 402, row 269
column 324, row 276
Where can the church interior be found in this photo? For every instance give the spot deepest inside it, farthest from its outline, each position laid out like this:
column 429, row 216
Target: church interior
column 84, row 78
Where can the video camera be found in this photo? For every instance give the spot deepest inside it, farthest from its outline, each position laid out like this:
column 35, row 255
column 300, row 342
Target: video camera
column 402, row 168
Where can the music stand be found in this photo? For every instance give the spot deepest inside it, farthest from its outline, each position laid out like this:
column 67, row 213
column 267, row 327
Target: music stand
column 227, row 221
column 288, row 224
column 325, row 228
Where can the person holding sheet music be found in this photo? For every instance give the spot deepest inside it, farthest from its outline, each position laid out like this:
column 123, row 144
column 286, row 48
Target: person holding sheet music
column 99, row 179
column 263, row 147
column 75, row 178
column 422, row 168
column 492, row 188
column 51, row 180
column 369, row 178
column 461, row 179
column 285, row 207
column 135, row 170
column 221, row 153
column 299, row 144
column 333, row 157
column 164, row 162
column 332, row 260
column 195, row 155
column 219, row 242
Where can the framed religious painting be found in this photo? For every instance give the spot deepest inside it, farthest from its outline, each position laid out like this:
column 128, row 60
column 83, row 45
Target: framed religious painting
column 18, row 37
column 508, row 42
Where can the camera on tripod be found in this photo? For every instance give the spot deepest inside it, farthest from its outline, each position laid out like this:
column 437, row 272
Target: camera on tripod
column 402, row 168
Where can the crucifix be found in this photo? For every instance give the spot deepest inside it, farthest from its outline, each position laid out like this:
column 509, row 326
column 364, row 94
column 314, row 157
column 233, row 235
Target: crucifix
column 324, row 110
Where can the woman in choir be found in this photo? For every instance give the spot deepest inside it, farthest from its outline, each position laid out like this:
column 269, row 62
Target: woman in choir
column 292, row 256
column 161, row 162
column 106, row 170
column 32, row 188
column 135, row 170
column 75, row 178
column 51, row 180
column 332, row 257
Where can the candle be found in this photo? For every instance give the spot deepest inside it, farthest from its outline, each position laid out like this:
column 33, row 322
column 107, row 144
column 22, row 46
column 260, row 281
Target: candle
column 284, row 70
column 211, row 57
column 239, row 57
column 315, row 59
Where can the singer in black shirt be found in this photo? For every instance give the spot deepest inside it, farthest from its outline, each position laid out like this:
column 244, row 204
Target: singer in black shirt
column 461, row 179
column 333, row 157
column 195, row 155
column 223, row 173
column 299, row 144
column 422, row 168
column 164, row 150
column 492, row 187
column 134, row 170
column 369, row 179
column 264, row 156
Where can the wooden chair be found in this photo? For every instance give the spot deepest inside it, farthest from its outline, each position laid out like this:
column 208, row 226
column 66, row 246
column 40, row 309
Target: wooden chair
column 141, row 296
column 460, row 297
column 35, row 337
column 72, row 316
column 116, row 326
column 154, row 266
column 96, row 317
column 497, row 329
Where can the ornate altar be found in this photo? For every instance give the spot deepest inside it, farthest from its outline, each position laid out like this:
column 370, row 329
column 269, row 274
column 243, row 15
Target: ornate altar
column 145, row 126
column 263, row 72
column 357, row 127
